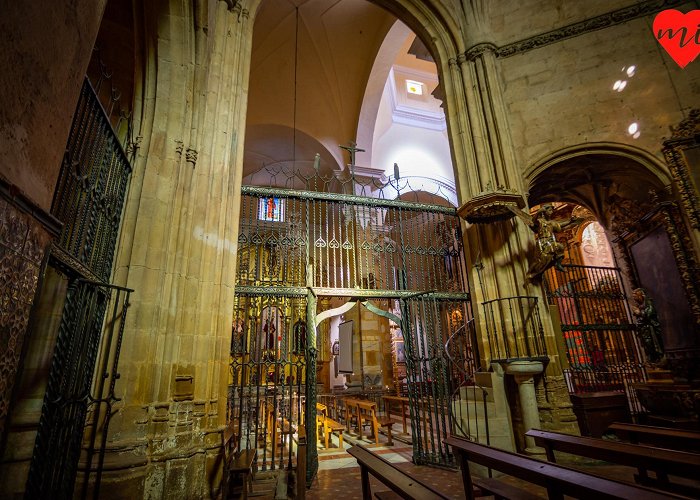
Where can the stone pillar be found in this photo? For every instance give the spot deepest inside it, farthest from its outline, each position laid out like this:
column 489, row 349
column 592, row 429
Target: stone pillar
column 491, row 183
column 524, row 374
column 177, row 251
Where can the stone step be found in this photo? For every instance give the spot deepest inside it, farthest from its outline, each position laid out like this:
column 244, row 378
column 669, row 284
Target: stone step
column 474, row 393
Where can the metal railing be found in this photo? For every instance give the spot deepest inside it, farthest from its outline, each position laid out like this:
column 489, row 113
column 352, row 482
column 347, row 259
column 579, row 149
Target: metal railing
column 514, row 328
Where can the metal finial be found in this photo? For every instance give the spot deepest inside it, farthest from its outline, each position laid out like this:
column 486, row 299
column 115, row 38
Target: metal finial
column 396, row 172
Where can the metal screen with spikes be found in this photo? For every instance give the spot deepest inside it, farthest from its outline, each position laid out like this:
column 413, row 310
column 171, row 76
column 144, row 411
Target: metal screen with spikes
column 305, row 235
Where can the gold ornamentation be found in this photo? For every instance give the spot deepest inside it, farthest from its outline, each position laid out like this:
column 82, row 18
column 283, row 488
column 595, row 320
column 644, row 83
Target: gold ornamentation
column 685, row 136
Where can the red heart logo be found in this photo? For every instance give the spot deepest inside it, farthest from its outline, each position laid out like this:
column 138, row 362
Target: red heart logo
column 679, row 34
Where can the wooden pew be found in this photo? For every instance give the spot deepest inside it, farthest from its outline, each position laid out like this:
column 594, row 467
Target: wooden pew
column 397, row 405
column 401, row 483
column 230, row 446
column 244, row 466
column 558, row 480
column 368, row 412
column 663, row 437
column 352, row 410
column 645, row 458
column 327, row 426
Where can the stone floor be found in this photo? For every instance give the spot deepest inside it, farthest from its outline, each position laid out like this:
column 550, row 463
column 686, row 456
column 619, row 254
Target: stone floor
column 339, row 476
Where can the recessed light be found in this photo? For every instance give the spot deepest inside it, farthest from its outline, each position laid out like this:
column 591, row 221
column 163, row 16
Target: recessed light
column 414, row 87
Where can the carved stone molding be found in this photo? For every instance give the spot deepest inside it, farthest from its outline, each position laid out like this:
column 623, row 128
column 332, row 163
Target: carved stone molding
column 613, row 18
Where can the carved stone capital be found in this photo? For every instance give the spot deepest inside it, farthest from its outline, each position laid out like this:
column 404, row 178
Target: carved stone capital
column 191, row 156
column 479, row 50
column 236, row 7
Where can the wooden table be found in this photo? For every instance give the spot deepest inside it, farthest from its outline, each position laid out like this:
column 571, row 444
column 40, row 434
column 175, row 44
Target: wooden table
column 389, row 406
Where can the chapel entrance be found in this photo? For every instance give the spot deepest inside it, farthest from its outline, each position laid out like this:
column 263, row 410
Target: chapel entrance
column 306, row 237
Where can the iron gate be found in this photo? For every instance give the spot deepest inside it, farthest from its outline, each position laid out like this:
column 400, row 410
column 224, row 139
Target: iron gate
column 306, row 235
column 599, row 335
column 88, row 201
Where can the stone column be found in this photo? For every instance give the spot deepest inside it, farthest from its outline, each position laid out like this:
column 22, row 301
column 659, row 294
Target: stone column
column 524, row 374
column 177, row 251
column 490, row 183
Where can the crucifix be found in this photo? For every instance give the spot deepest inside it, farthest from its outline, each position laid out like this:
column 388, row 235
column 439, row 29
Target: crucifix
column 352, row 149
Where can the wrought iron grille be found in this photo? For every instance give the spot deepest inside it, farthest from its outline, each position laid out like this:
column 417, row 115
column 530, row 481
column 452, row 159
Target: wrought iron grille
column 88, row 200
column 305, row 235
column 599, row 335
column 352, row 242
column 268, row 374
column 514, row 328
column 433, row 379
column 91, row 187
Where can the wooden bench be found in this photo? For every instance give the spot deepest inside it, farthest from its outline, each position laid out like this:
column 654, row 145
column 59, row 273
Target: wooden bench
column 243, row 466
column 327, row 426
column 645, row 458
column 663, row 437
column 557, row 480
column 387, row 423
column 401, row 483
column 230, row 445
column 502, row 490
column 397, row 405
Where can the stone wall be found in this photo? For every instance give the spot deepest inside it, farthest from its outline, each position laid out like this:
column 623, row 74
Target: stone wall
column 541, row 84
column 46, row 55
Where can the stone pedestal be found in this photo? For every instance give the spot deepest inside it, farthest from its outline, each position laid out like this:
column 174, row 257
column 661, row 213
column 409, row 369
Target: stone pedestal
column 524, row 373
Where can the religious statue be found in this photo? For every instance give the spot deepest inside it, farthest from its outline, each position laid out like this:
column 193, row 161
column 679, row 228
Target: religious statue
column 238, row 336
column 269, row 329
column 299, row 336
column 548, row 251
column 648, row 327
